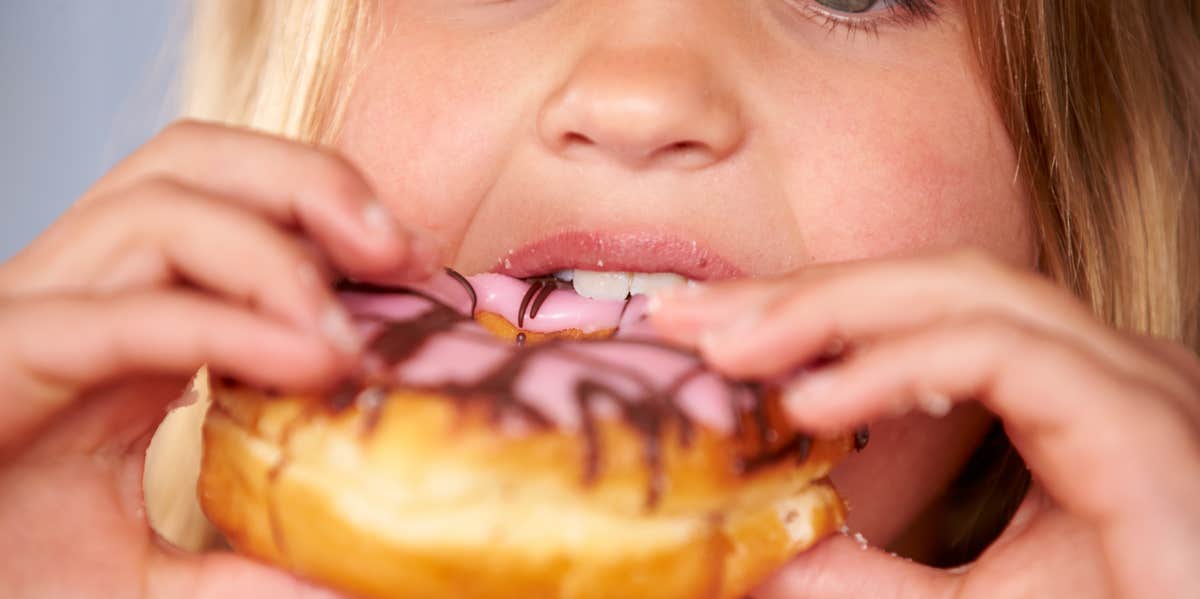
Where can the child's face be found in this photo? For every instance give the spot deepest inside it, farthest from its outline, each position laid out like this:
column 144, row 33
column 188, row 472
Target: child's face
column 772, row 136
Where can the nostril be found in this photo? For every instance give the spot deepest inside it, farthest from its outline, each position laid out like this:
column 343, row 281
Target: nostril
column 682, row 147
column 574, row 138
column 684, row 154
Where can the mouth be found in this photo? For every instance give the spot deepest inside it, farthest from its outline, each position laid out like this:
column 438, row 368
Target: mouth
column 582, row 282
column 615, row 266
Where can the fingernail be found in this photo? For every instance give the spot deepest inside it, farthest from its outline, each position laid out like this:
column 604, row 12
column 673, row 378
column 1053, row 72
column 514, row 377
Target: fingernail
column 692, row 290
column 379, row 219
column 935, row 404
column 657, row 298
column 337, row 326
column 654, row 301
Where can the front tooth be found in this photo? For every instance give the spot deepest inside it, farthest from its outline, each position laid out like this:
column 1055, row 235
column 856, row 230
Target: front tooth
column 602, row 285
column 647, row 282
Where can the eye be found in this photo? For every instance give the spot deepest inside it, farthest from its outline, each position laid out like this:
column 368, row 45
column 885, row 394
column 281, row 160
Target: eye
column 850, row 6
column 868, row 15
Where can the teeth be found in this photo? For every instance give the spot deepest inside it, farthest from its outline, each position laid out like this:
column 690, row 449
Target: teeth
column 602, row 285
column 647, row 282
column 618, row 285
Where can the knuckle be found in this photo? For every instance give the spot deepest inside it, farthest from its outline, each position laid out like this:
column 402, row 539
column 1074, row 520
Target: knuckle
column 1005, row 331
column 1178, row 352
column 1012, row 343
column 183, row 130
column 1160, row 421
column 144, row 196
column 150, row 194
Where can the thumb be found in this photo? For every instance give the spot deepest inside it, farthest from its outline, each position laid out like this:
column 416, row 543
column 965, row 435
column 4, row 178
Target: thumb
column 841, row 568
column 54, row 348
column 226, row 576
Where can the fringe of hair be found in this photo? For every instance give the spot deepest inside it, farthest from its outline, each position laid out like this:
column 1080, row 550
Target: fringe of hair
column 274, row 65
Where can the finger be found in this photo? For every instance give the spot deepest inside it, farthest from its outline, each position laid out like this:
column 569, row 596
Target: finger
column 803, row 315
column 54, row 348
column 683, row 313
column 1185, row 362
column 1068, row 413
column 1034, row 504
column 163, row 230
column 291, row 183
column 227, row 576
column 1056, row 553
column 840, row 568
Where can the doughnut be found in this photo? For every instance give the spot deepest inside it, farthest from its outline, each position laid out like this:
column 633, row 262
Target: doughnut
column 503, row 439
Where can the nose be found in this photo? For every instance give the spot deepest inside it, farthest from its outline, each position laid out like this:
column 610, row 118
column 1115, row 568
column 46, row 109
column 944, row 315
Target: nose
column 642, row 107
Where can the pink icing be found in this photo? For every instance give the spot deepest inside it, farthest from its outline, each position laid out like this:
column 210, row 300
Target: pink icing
column 632, row 364
column 500, row 294
column 564, row 309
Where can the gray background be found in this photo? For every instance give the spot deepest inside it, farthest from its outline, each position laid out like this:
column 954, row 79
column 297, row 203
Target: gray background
column 82, row 83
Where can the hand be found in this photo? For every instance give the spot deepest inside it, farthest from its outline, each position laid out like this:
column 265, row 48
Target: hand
column 1106, row 421
column 207, row 245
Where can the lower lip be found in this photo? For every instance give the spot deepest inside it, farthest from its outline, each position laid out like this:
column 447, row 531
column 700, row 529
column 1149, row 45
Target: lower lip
column 622, row 252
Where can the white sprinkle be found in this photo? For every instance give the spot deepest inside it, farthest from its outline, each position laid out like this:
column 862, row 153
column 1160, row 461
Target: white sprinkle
column 935, row 404
column 507, row 263
column 600, row 263
column 861, row 540
column 510, row 252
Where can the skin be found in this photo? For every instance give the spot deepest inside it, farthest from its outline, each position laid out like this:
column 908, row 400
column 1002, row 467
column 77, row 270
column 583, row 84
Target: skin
column 746, row 125
column 802, row 152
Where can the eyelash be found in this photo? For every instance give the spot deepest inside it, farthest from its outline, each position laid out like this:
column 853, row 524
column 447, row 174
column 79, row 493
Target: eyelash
column 900, row 13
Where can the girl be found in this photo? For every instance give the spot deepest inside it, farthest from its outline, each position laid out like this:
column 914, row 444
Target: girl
column 992, row 205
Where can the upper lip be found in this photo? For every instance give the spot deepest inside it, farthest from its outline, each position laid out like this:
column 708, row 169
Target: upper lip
column 628, row 251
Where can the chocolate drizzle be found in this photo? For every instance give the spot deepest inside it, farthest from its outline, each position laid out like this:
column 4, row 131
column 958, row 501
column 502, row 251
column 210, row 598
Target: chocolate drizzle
column 651, row 411
column 457, row 276
column 862, row 436
column 542, row 296
column 537, row 294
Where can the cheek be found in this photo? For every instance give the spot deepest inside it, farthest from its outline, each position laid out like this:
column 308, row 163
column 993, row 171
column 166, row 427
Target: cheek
column 416, row 104
column 922, row 163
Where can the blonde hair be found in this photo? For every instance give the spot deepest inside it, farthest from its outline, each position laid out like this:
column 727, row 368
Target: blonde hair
column 281, row 66
column 1101, row 98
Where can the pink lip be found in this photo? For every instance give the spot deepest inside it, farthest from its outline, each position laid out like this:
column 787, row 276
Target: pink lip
column 629, row 251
